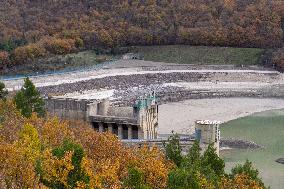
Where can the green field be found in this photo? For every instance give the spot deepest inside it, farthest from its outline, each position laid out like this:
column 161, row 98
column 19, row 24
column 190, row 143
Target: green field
column 184, row 54
column 267, row 129
column 69, row 62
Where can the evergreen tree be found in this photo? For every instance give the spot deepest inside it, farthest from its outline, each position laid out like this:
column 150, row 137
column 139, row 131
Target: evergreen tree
column 3, row 91
column 173, row 150
column 210, row 160
column 193, row 156
column 247, row 169
column 28, row 100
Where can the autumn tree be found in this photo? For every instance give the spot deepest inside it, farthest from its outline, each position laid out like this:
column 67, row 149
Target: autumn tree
column 135, row 179
column 17, row 160
column 11, row 121
column 248, row 170
column 29, row 52
column 4, row 59
column 28, row 100
column 40, row 152
column 278, row 58
column 71, row 173
column 101, row 25
column 239, row 181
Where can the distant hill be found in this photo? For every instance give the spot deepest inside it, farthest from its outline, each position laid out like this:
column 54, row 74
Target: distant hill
column 30, row 29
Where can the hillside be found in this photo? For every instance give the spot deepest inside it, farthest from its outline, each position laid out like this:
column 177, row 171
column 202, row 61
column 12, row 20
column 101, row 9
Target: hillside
column 30, row 30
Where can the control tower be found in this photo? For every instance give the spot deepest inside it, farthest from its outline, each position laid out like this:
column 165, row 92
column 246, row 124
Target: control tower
column 208, row 132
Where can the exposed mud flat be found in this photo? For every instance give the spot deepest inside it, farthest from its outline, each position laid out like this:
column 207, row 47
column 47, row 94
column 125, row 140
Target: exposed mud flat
column 180, row 116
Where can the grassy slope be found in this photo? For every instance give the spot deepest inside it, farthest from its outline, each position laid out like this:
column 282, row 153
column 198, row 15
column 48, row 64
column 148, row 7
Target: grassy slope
column 70, row 62
column 267, row 129
column 173, row 54
column 201, row 54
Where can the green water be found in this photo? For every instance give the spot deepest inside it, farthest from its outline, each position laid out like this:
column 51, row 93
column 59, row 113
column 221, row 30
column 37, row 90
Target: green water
column 266, row 129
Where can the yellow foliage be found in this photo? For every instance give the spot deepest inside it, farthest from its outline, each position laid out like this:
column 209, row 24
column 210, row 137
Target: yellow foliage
column 153, row 164
column 11, row 121
column 56, row 169
column 16, row 170
column 95, row 181
column 29, row 143
column 239, row 181
column 54, row 132
column 106, row 160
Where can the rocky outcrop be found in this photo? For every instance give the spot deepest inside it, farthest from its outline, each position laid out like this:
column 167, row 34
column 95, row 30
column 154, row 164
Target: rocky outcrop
column 280, row 160
column 240, row 144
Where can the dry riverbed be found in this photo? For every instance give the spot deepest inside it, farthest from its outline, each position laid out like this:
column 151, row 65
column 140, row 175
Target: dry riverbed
column 180, row 116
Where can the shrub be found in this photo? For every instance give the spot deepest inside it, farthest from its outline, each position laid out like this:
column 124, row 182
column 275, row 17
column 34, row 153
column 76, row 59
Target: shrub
column 4, row 58
column 59, row 46
column 278, row 59
column 29, row 52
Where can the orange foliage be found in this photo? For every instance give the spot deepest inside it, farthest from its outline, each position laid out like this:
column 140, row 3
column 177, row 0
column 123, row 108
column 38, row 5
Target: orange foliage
column 11, row 122
column 29, row 52
column 240, row 181
column 153, row 164
column 105, row 160
column 59, row 46
column 103, row 24
column 4, row 57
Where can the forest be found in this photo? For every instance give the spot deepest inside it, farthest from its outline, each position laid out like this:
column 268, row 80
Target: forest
column 30, row 29
column 40, row 151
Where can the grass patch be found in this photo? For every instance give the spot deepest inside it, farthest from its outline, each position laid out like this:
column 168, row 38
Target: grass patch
column 264, row 128
column 69, row 62
column 184, row 54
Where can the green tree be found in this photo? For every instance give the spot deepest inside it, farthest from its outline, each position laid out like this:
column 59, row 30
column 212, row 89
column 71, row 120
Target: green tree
column 193, row 157
column 212, row 166
column 3, row 91
column 28, row 100
column 181, row 178
column 173, row 150
column 247, row 169
column 135, row 179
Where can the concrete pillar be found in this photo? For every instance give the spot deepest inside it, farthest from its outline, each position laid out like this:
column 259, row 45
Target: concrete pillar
column 101, row 127
column 120, row 135
column 51, row 106
column 103, row 107
column 129, row 132
column 110, row 128
column 140, row 133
